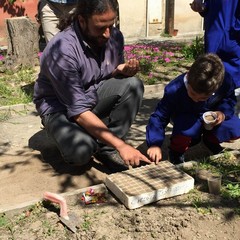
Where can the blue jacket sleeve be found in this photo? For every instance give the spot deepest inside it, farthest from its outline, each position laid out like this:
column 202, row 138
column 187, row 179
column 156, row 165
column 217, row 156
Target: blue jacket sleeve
column 229, row 101
column 155, row 130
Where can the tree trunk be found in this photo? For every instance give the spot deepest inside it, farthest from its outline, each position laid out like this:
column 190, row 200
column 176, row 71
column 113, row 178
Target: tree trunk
column 22, row 42
column 169, row 20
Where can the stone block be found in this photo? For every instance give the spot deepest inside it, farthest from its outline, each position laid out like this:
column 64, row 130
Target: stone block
column 143, row 185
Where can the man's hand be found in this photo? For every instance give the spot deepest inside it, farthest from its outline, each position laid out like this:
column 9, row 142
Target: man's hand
column 155, row 154
column 197, row 6
column 131, row 156
column 130, row 68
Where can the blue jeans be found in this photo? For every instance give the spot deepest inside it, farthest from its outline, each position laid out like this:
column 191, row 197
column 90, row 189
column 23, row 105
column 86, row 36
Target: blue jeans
column 119, row 102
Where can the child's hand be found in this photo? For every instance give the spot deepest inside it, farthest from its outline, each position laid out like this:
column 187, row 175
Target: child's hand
column 155, row 154
column 220, row 118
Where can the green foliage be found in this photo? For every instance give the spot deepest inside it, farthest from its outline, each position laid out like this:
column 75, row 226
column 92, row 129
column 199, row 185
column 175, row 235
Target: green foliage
column 3, row 220
column 227, row 165
column 231, row 191
column 195, row 49
column 11, row 1
column 17, row 87
column 146, row 66
column 87, row 223
column 48, row 228
column 201, row 205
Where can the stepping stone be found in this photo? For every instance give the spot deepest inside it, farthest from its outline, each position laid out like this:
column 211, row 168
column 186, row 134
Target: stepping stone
column 143, row 185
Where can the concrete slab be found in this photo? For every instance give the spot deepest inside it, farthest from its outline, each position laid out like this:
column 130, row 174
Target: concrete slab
column 140, row 186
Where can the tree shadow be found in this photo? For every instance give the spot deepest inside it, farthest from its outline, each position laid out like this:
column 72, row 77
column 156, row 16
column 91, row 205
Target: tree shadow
column 51, row 155
column 12, row 9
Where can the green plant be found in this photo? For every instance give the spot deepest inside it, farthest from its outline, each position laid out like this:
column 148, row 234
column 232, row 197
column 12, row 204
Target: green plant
column 146, row 66
column 17, row 87
column 86, row 224
column 7, row 224
column 48, row 228
column 3, row 220
column 202, row 206
column 193, row 50
column 231, row 191
column 13, row 1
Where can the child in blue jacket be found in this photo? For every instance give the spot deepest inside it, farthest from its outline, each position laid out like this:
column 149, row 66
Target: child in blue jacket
column 206, row 87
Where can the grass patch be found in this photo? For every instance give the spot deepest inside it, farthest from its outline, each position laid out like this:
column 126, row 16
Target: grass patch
column 17, row 87
column 227, row 164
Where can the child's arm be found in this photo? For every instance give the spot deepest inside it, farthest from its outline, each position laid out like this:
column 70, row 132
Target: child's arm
column 155, row 130
column 228, row 101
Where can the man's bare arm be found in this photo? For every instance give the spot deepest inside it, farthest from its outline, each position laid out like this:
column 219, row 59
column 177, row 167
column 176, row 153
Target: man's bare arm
column 95, row 127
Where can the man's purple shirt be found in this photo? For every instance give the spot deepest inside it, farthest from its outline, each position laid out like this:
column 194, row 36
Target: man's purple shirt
column 71, row 73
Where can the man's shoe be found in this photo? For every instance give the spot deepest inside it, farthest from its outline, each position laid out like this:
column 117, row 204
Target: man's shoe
column 215, row 148
column 175, row 157
column 113, row 161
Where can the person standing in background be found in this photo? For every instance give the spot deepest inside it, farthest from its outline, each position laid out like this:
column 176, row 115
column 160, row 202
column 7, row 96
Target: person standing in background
column 49, row 12
column 222, row 34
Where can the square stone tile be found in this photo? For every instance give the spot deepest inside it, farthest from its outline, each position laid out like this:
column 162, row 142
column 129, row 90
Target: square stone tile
column 143, row 185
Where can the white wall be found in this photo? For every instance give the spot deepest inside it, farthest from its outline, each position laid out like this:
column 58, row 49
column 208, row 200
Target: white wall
column 133, row 18
column 186, row 20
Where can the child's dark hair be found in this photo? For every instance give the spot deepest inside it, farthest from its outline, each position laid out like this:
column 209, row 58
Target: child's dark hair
column 87, row 8
column 206, row 74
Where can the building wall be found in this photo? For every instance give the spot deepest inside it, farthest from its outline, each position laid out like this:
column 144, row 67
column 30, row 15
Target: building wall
column 135, row 20
column 186, row 20
column 133, row 17
column 19, row 8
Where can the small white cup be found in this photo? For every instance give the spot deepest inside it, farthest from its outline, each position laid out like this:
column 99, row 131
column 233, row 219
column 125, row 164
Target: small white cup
column 209, row 118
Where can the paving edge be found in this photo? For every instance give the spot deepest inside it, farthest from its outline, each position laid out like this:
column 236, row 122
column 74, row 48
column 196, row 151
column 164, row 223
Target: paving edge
column 72, row 198
column 17, row 109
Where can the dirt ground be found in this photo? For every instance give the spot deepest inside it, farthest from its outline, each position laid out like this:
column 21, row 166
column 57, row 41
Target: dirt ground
column 187, row 217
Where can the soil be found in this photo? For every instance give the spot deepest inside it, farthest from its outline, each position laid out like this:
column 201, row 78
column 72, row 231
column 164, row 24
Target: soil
column 197, row 215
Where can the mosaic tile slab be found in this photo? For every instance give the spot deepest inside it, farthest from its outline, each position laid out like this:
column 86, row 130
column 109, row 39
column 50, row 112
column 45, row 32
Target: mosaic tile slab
column 143, row 185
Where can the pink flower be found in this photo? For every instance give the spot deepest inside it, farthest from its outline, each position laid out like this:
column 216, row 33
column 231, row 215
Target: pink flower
column 171, row 54
column 1, row 57
column 39, row 54
column 167, row 60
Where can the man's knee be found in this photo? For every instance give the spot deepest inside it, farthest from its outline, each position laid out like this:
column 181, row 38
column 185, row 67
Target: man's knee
column 136, row 83
column 78, row 159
